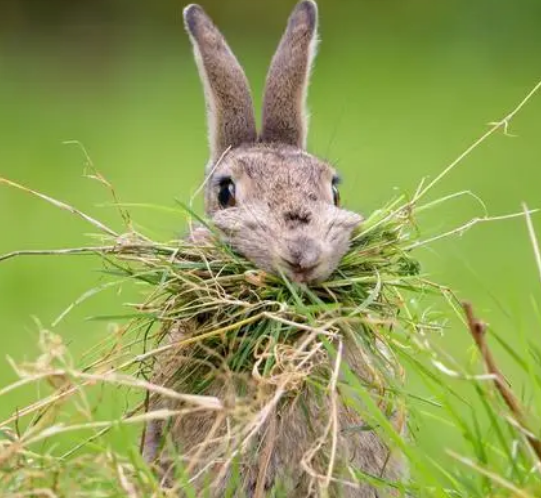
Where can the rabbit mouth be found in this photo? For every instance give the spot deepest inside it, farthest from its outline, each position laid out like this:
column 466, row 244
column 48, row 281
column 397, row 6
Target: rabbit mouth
column 308, row 254
column 304, row 276
column 299, row 272
column 301, row 275
column 301, row 258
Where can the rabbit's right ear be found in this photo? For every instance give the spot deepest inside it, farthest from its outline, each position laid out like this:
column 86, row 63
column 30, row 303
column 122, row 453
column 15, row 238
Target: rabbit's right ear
column 230, row 113
column 285, row 118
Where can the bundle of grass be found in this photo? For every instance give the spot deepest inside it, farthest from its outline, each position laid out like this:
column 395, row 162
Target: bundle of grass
column 249, row 342
column 232, row 346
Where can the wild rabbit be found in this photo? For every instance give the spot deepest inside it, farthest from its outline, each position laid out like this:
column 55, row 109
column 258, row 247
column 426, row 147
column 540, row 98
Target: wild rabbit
column 278, row 206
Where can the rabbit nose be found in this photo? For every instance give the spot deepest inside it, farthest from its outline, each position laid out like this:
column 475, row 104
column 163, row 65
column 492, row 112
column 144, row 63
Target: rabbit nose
column 295, row 217
column 304, row 254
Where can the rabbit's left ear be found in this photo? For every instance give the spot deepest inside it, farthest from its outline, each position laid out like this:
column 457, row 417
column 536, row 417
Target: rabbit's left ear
column 285, row 117
column 230, row 112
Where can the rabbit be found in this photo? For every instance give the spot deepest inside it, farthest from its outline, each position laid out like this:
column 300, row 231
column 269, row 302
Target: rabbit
column 278, row 206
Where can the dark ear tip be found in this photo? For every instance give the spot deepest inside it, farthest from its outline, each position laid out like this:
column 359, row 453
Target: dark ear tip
column 191, row 14
column 308, row 4
column 309, row 9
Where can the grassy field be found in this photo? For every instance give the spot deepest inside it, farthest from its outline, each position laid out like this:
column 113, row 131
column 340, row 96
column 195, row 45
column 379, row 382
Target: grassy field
column 395, row 98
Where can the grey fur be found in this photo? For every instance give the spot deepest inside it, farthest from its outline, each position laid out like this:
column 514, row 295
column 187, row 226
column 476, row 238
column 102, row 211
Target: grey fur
column 230, row 112
column 284, row 220
column 285, row 119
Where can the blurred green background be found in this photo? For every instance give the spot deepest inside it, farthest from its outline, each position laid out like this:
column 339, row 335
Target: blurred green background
column 400, row 88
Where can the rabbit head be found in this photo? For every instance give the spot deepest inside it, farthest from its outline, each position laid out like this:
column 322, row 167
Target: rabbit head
column 275, row 203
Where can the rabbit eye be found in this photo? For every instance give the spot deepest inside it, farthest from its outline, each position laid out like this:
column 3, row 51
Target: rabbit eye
column 335, row 192
column 336, row 195
column 226, row 195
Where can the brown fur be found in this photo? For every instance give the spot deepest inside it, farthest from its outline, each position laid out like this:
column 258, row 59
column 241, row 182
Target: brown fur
column 283, row 220
column 229, row 102
column 284, row 113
